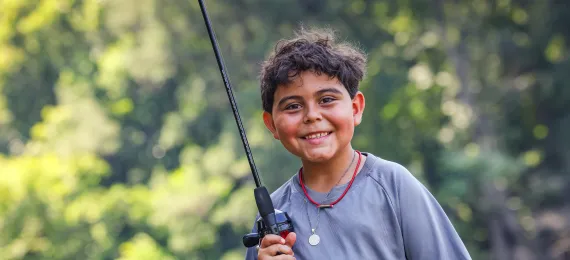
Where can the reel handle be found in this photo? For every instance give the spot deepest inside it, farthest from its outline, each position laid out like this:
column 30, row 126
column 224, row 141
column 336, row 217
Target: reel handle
column 282, row 227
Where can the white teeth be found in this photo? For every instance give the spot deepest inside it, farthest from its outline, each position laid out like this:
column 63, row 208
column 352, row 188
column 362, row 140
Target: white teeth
column 318, row 135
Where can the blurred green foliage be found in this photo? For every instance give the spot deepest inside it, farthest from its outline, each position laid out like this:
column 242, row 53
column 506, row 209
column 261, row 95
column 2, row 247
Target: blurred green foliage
column 117, row 141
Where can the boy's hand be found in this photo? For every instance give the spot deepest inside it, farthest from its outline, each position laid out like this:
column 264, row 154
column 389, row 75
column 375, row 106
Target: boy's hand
column 272, row 244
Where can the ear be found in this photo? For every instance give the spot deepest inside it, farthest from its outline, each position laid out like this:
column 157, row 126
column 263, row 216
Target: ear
column 358, row 104
column 268, row 120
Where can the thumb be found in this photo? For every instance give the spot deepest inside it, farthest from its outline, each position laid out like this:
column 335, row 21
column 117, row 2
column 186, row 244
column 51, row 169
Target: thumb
column 290, row 239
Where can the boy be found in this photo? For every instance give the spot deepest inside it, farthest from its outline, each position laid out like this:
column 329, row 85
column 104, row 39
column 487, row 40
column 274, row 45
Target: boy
column 344, row 204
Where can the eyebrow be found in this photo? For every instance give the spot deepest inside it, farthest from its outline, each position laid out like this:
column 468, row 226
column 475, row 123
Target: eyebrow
column 318, row 93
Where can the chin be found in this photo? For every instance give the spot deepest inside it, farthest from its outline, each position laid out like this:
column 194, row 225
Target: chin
column 316, row 156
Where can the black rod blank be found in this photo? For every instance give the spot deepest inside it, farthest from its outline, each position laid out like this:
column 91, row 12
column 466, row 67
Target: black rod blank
column 230, row 94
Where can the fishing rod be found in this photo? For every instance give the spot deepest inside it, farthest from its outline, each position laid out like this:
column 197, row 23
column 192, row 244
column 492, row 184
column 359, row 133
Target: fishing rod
column 271, row 220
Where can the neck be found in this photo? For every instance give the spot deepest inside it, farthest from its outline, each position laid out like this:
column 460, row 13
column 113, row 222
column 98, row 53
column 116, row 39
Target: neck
column 323, row 176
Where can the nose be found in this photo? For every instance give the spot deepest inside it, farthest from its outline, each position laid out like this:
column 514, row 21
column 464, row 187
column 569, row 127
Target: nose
column 312, row 114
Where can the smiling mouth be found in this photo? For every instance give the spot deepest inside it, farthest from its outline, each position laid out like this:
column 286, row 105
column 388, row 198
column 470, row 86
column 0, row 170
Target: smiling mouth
column 316, row 135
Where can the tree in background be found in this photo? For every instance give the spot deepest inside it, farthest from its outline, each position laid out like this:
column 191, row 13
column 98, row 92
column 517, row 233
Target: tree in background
column 117, row 142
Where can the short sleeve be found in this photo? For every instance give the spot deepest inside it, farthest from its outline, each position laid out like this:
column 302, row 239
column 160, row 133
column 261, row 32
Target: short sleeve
column 427, row 231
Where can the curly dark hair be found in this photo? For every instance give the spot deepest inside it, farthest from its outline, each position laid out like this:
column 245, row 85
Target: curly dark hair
column 314, row 50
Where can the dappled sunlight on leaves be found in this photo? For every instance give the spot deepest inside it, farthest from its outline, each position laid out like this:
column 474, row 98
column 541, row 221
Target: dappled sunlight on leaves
column 182, row 201
column 142, row 247
column 36, row 192
column 117, row 139
column 64, row 130
column 238, row 209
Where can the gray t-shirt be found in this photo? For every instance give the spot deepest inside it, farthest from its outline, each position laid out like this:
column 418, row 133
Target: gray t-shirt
column 387, row 214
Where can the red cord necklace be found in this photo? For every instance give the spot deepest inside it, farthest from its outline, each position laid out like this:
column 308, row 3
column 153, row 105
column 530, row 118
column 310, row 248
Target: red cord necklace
column 341, row 196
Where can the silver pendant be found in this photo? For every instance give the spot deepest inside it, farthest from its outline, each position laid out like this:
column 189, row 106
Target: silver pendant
column 314, row 239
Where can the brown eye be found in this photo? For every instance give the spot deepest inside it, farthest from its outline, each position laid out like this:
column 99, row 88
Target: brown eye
column 327, row 100
column 292, row 106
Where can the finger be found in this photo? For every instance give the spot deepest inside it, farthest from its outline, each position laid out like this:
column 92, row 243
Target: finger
column 273, row 250
column 271, row 239
column 279, row 257
column 290, row 239
column 283, row 257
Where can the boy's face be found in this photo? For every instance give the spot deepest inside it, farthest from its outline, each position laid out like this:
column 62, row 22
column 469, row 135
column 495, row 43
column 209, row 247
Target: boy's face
column 314, row 116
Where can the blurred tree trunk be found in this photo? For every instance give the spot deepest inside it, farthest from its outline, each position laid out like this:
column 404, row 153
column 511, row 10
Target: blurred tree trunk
column 506, row 236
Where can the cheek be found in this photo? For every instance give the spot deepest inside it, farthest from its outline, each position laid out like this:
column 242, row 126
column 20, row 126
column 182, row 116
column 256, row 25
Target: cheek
column 286, row 127
column 344, row 121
